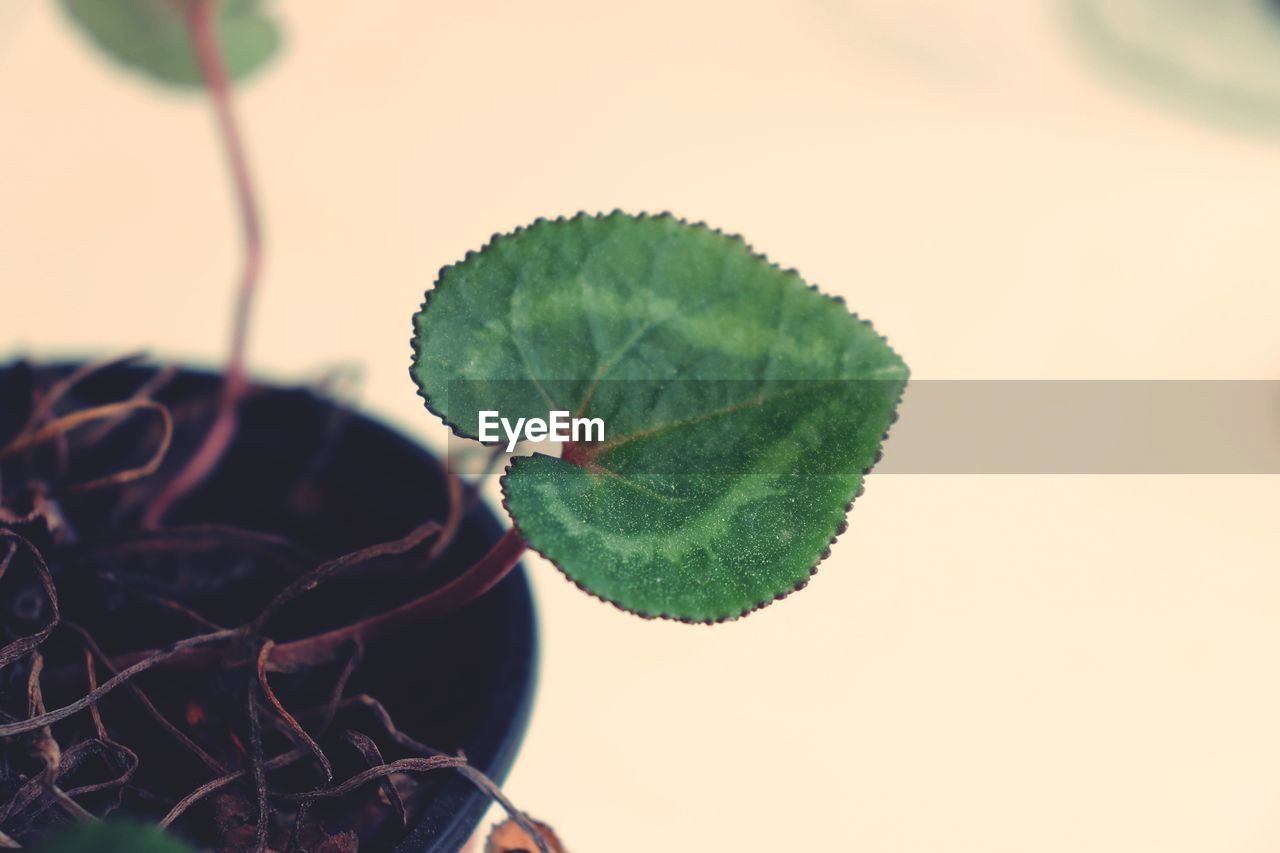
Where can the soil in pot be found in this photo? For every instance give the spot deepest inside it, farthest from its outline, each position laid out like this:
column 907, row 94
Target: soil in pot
column 304, row 482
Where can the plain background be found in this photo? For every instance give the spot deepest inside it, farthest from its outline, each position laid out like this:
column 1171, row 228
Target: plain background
column 984, row 664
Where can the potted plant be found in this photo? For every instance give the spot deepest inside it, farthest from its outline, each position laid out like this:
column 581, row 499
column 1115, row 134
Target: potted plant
column 261, row 621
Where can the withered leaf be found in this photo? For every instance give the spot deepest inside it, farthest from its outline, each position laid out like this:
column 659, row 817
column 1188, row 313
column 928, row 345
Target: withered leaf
column 508, row 837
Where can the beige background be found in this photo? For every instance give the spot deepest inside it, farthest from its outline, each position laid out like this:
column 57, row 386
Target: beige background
column 985, row 664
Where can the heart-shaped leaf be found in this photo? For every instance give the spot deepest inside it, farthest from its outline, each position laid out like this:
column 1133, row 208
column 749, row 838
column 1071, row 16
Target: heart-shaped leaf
column 741, row 407
column 152, row 36
column 113, row 836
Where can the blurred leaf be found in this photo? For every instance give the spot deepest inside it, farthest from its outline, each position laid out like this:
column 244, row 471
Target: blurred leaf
column 151, row 36
column 1217, row 60
column 741, row 406
column 112, row 837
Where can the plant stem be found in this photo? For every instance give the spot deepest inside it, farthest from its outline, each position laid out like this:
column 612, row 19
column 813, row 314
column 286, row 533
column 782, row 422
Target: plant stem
column 481, row 577
column 202, row 24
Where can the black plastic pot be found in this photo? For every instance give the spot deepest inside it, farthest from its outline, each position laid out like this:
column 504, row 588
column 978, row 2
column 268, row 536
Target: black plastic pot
column 464, row 682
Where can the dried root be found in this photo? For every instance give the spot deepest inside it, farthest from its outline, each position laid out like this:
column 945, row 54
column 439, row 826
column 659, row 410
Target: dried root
column 265, row 763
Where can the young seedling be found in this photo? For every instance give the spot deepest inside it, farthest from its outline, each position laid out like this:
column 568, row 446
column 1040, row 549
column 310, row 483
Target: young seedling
column 719, row 417
column 211, row 44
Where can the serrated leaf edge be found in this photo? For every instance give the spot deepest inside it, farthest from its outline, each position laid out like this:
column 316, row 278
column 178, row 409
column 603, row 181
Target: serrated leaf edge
column 416, row 355
column 840, row 528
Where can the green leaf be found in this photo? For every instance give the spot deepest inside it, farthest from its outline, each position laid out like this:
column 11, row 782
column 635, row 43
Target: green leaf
column 112, row 837
column 151, row 36
column 741, row 406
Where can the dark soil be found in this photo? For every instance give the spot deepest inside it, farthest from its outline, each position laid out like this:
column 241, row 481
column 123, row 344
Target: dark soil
column 305, row 481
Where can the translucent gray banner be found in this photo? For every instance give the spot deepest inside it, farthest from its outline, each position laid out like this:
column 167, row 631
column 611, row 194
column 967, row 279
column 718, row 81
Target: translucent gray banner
column 957, row 427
